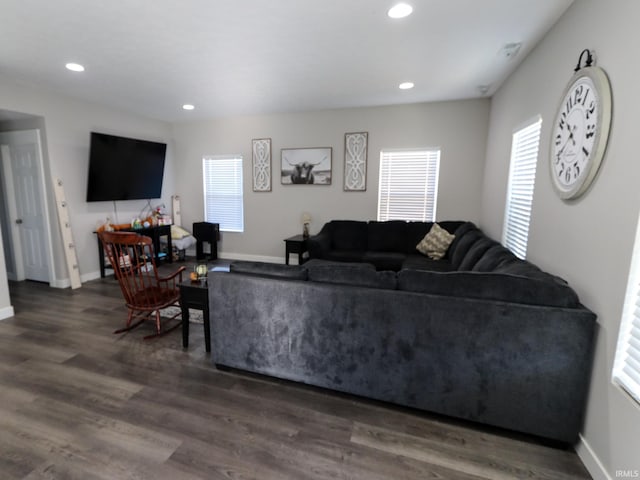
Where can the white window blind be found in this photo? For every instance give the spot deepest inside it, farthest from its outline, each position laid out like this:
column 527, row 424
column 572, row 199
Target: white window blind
column 223, row 198
column 626, row 367
column 522, row 177
column 408, row 185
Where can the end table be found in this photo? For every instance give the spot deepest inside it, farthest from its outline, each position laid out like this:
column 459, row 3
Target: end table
column 296, row 244
column 195, row 295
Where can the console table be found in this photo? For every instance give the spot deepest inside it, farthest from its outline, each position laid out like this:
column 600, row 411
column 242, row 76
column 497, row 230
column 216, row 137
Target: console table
column 155, row 233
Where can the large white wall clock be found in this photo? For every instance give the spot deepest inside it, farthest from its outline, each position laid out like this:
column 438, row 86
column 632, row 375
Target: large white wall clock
column 581, row 130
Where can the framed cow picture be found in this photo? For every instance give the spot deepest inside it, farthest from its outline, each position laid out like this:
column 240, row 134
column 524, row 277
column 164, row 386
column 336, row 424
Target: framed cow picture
column 306, row 166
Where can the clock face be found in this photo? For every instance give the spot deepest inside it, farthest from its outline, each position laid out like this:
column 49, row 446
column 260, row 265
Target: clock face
column 580, row 132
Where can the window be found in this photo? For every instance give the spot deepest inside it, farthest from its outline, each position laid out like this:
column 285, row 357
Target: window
column 408, row 185
column 223, row 202
column 626, row 368
column 522, row 177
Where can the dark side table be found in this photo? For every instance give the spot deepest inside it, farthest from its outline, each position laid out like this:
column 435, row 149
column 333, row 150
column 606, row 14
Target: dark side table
column 195, row 295
column 206, row 232
column 296, row 244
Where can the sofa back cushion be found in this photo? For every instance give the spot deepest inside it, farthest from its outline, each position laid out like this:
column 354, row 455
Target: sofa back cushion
column 415, row 232
column 387, row 236
column 348, row 235
column 475, row 253
column 490, row 286
column 461, row 245
column 494, row 257
column 362, row 275
column 273, row 270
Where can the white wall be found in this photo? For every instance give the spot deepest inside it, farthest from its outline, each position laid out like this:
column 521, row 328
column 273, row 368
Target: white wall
column 589, row 242
column 458, row 128
column 68, row 123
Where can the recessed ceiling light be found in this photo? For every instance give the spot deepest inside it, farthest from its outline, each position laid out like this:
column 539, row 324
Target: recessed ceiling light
column 400, row 10
column 406, row 85
column 188, row 106
column 74, row 67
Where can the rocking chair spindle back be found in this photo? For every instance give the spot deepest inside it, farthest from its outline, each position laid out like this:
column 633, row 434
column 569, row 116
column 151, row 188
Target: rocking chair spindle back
column 145, row 291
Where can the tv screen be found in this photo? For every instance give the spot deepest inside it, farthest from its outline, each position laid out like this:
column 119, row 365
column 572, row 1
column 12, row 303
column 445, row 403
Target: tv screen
column 124, row 168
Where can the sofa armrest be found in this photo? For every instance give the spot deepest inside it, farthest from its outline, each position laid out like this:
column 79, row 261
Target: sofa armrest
column 318, row 245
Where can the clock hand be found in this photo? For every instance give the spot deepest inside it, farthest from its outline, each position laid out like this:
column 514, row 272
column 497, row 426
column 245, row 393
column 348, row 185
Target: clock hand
column 559, row 154
column 571, row 129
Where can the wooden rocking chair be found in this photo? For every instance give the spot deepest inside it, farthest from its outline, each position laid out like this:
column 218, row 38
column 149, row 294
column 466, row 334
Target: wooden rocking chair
column 145, row 292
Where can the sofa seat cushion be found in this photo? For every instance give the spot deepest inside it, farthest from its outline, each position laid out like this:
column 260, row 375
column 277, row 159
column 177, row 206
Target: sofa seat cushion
column 385, row 260
column 350, row 274
column 272, row 270
column 348, row 235
column 526, row 269
column 320, row 261
column 386, row 236
column 344, row 255
column 490, row 287
column 420, row 262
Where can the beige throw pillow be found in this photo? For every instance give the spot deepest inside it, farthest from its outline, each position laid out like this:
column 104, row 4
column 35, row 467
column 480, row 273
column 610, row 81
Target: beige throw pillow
column 435, row 243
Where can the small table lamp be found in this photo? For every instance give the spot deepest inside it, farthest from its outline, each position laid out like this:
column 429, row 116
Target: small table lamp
column 201, row 270
column 306, row 220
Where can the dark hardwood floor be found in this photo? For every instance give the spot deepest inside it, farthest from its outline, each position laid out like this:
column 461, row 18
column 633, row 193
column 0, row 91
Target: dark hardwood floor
column 77, row 402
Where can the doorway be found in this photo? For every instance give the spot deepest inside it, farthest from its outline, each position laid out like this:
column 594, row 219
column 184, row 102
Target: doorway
column 25, row 220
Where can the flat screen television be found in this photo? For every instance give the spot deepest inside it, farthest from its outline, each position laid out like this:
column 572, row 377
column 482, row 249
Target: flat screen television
column 123, row 168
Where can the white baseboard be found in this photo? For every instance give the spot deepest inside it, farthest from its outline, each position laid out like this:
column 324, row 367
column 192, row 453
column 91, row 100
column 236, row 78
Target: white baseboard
column 6, row 312
column 90, row 276
column 60, row 283
column 66, row 283
column 591, row 460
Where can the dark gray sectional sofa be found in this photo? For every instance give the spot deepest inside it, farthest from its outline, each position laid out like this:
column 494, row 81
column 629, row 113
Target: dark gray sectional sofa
column 480, row 335
column 386, row 245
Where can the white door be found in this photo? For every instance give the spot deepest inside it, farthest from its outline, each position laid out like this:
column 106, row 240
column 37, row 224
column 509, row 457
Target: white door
column 22, row 167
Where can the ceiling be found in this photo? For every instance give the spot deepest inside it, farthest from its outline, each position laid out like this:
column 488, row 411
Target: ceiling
column 242, row 57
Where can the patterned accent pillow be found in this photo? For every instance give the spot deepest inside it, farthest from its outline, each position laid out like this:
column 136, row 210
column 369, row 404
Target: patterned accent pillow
column 435, row 243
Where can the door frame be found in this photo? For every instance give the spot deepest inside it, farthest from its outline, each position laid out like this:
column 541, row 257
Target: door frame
column 11, row 203
column 11, row 211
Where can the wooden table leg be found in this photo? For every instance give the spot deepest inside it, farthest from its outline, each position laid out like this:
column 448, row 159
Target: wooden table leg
column 185, row 326
column 207, row 329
